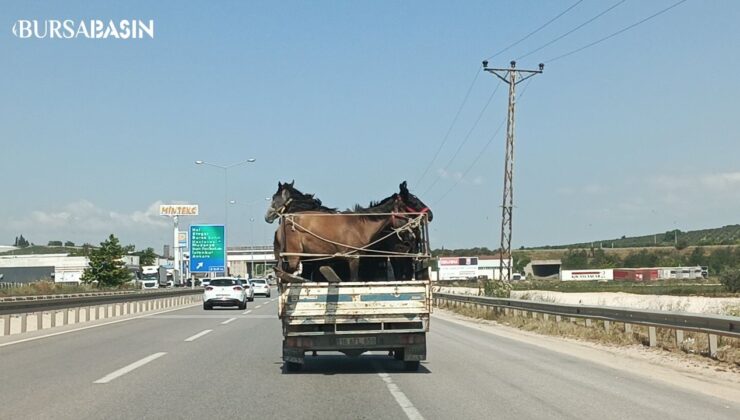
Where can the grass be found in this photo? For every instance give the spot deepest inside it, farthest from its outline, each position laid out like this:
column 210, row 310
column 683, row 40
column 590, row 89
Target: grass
column 51, row 288
column 693, row 343
column 660, row 287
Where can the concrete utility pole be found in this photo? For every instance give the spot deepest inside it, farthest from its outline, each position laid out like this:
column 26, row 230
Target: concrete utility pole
column 511, row 76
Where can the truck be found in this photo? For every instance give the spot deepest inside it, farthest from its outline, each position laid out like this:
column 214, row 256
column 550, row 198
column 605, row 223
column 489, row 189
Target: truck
column 153, row 276
column 391, row 316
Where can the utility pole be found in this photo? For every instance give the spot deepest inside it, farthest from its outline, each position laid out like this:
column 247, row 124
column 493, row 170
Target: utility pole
column 511, row 76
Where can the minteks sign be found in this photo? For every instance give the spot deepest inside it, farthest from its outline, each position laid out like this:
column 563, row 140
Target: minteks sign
column 90, row 29
column 178, row 210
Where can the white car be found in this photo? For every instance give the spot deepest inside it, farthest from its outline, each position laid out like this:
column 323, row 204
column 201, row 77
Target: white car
column 261, row 287
column 248, row 288
column 224, row 291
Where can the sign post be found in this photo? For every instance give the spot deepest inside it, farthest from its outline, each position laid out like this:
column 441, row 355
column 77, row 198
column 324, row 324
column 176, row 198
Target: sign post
column 208, row 249
column 175, row 211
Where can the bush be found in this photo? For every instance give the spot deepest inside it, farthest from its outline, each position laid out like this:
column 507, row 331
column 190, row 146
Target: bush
column 730, row 278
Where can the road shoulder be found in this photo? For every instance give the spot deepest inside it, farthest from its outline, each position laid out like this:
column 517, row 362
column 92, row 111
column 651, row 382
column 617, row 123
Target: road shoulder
column 693, row 374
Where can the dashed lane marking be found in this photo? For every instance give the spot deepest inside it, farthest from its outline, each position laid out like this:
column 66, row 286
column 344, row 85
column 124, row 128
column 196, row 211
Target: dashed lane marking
column 197, row 336
column 228, row 320
column 411, row 412
column 126, row 369
column 246, row 312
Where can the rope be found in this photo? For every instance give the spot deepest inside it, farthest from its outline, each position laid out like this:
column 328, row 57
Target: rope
column 409, row 226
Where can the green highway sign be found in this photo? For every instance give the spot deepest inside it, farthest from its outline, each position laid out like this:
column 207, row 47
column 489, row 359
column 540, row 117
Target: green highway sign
column 207, row 248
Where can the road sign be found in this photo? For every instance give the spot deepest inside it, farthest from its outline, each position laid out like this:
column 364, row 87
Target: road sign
column 207, row 248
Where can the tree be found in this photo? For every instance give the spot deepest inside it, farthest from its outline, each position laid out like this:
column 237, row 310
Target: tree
column 55, row 243
column 69, row 243
column 730, row 278
column 147, row 256
column 21, row 242
column 106, row 266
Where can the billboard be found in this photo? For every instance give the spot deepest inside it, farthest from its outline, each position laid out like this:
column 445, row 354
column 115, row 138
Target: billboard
column 585, row 275
column 207, row 248
column 178, row 209
column 182, row 239
column 458, row 268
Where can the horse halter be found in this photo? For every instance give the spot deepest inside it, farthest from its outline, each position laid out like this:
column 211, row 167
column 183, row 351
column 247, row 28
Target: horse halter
column 284, row 207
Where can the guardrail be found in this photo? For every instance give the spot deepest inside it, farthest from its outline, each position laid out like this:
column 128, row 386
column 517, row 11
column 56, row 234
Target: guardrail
column 15, row 314
column 712, row 325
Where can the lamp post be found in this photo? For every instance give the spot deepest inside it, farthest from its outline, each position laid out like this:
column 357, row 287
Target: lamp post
column 226, row 200
column 251, row 227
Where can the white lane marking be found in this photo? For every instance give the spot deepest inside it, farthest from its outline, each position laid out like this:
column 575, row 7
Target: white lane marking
column 228, row 320
column 197, row 336
column 411, row 412
column 94, row 326
column 246, row 312
column 258, row 306
column 126, row 369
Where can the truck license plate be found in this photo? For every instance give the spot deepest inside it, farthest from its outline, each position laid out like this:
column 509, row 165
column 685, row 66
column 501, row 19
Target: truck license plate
column 356, row 341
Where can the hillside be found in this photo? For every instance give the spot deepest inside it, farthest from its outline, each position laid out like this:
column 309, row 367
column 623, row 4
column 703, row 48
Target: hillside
column 726, row 235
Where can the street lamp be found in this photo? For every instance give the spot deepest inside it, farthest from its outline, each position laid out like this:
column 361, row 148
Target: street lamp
column 251, row 225
column 226, row 199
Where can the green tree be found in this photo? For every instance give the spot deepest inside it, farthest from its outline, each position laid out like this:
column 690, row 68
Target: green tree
column 697, row 256
column 55, row 243
column 21, row 242
column 730, row 278
column 520, row 262
column 69, row 243
column 147, row 256
column 575, row 259
column 106, row 267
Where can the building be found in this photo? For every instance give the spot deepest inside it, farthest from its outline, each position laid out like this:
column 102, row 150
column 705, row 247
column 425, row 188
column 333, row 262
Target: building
column 489, row 267
column 60, row 268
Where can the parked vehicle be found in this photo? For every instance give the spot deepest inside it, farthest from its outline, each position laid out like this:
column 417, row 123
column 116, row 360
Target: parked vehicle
column 224, row 291
column 248, row 288
column 261, row 287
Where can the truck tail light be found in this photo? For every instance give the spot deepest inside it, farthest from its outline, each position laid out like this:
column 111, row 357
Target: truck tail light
column 209, row 288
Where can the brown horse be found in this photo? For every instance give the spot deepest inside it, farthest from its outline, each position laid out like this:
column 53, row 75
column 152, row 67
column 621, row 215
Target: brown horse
column 308, row 234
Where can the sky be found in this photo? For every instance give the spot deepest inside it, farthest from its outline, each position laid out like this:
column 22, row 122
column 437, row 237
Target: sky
column 636, row 135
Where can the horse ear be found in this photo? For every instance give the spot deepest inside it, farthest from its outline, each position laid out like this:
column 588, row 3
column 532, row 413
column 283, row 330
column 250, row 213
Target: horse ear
column 292, row 182
column 404, row 189
column 280, row 185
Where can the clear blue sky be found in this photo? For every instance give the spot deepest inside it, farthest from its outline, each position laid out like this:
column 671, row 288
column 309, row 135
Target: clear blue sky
column 636, row 135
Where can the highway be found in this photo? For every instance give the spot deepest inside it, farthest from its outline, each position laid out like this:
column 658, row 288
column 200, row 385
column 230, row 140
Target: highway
column 191, row 363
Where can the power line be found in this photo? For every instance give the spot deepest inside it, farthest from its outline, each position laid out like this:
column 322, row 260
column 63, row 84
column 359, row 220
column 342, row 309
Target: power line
column 480, row 154
column 616, row 33
column 449, row 130
column 572, row 30
column 467, row 137
column 536, row 30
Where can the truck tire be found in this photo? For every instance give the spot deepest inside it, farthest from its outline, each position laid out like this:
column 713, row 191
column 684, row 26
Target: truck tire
column 411, row 366
column 292, row 366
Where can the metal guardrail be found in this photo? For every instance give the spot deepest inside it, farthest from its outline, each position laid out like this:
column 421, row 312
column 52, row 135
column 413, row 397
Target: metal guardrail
column 712, row 325
column 25, row 304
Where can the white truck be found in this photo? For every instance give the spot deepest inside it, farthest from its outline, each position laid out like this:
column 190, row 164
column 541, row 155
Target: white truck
column 381, row 312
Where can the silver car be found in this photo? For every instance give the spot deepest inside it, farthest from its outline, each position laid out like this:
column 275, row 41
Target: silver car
column 261, row 287
column 248, row 288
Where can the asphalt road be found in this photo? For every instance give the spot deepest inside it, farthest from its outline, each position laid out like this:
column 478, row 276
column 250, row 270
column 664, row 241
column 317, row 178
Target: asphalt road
column 145, row 368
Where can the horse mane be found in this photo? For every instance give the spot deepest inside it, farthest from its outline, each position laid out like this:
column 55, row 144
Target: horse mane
column 383, row 206
column 305, row 202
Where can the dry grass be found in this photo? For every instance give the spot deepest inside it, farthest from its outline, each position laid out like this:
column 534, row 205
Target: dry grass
column 728, row 350
column 51, row 288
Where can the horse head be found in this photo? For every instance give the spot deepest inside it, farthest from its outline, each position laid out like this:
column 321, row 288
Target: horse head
column 288, row 199
column 413, row 203
column 280, row 201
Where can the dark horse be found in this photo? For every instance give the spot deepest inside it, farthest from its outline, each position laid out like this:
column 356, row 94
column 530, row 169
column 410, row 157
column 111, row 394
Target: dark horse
column 307, row 233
